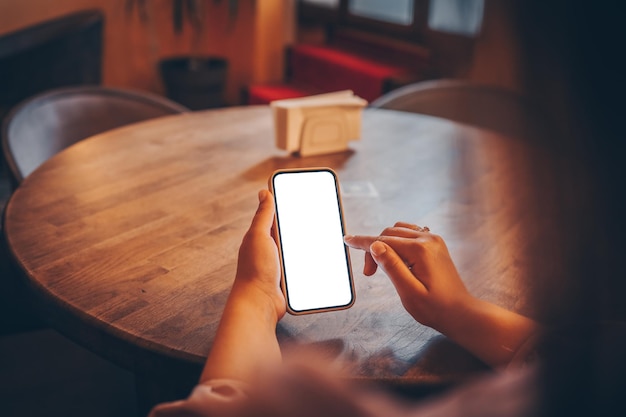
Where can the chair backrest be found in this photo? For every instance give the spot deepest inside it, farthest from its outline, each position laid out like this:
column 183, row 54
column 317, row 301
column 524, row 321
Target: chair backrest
column 45, row 124
column 461, row 101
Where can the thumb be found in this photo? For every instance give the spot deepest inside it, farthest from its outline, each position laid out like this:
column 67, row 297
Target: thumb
column 264, row 216
column 401, row 276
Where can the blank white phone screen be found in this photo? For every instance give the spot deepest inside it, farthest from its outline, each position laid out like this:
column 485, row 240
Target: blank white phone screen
column 315, row 259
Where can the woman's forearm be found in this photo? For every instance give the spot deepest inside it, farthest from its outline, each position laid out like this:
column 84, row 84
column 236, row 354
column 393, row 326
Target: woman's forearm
column 246, row 337
column 490, row 332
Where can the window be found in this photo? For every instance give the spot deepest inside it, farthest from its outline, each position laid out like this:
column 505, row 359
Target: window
column 409, row 19
column 398, row 12
column 462, row 17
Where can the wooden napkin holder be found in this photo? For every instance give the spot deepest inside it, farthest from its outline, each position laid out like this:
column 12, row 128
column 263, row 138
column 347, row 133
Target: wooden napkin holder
column 319, row 124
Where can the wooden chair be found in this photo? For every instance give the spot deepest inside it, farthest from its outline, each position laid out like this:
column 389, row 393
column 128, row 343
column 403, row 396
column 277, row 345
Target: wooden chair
column 49, row 122
column 487, row 107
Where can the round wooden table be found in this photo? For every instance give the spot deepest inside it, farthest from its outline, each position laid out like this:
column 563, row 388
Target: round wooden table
column 129, row 239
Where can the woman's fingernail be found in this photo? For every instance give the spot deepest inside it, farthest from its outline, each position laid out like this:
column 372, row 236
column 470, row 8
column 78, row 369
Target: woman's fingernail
column 262, row 196
column 378, row 248
column 346, row 238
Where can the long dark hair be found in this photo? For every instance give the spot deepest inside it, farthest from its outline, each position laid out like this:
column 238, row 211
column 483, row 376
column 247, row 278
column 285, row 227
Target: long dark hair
column 573, row 64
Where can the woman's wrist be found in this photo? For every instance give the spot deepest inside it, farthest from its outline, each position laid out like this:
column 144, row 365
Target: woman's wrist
column 456, row 316
column 250, row 297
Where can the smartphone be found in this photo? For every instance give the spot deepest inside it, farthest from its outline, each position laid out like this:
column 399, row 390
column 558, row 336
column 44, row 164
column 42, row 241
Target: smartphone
column 309, row 227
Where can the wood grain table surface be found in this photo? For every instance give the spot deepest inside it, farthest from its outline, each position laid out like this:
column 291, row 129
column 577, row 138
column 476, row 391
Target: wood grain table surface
column 129, row 239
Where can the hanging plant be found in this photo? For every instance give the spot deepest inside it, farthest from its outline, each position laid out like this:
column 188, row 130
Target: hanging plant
column 191, row 11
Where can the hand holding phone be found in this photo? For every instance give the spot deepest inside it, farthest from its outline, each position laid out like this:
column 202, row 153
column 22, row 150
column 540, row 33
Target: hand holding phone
column 315, row 262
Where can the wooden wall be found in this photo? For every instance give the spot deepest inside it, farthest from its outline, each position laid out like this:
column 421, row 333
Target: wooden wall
column 253, row 41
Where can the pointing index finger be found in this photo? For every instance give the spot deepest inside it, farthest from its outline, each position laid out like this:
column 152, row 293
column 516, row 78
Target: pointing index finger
column 360, row 242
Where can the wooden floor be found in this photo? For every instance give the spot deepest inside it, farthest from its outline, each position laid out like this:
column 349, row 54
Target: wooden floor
column 43, row 374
